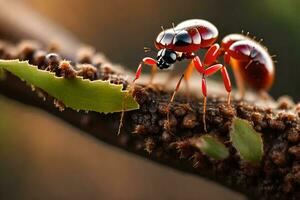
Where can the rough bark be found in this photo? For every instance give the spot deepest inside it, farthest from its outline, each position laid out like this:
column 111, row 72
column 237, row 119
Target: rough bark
column 277, row 177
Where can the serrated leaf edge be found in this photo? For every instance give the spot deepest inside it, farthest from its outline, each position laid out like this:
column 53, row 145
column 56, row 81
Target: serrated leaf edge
column 117, row 86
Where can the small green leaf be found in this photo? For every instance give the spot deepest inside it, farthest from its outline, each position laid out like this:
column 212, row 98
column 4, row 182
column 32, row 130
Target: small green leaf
column 78, row 93
column 2, row 74
column 212, row 147
column 246, row 140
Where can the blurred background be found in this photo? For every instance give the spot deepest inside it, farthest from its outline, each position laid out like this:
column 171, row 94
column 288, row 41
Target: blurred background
column 42, row 158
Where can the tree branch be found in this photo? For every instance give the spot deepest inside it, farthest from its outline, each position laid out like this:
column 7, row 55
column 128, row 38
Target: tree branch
column 276, row 177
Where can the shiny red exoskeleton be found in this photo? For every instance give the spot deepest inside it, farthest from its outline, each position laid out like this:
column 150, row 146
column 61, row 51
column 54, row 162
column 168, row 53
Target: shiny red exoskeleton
column 250, row 61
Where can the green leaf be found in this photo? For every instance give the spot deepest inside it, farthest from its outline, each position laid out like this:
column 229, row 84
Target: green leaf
column 212, row 147
column 78, row 93
column 246, row 140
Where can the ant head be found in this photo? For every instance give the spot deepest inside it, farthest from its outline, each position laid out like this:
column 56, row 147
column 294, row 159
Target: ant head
column 165, row 58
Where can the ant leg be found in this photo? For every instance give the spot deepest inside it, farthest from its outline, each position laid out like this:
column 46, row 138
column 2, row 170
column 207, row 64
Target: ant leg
column 153, row 72
column 226, row 58
column 200, row 68
column 187, row 75
column 212, row 54
column 239, row 81
column 213, row 69
column 122, row 114
column 146, row 60
column 227, row 83
column 176, row 89
column 198, row 65
column 204, row 92
column 238, row 77
column 171, row 100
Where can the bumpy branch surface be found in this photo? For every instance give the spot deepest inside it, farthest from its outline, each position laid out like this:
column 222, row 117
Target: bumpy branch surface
column 144, row 133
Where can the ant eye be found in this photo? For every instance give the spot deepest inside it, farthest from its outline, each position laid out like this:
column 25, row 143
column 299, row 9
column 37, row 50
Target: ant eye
column 169, row 56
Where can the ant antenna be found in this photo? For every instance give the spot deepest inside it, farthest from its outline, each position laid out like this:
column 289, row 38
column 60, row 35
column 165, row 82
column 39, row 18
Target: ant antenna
column 147, row 49
column 173, row 26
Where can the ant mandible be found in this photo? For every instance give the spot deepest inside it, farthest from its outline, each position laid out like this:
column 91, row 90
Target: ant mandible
column 250, row 61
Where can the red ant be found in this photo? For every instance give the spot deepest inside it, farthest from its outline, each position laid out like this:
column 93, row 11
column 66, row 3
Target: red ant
column 250, row 61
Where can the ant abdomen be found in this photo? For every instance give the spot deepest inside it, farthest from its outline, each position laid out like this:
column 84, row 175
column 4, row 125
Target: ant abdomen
column 228, row 40
column 251, row 60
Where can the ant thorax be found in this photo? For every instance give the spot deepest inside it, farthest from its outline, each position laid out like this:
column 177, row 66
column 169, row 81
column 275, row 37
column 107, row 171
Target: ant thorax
column 184, row 55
